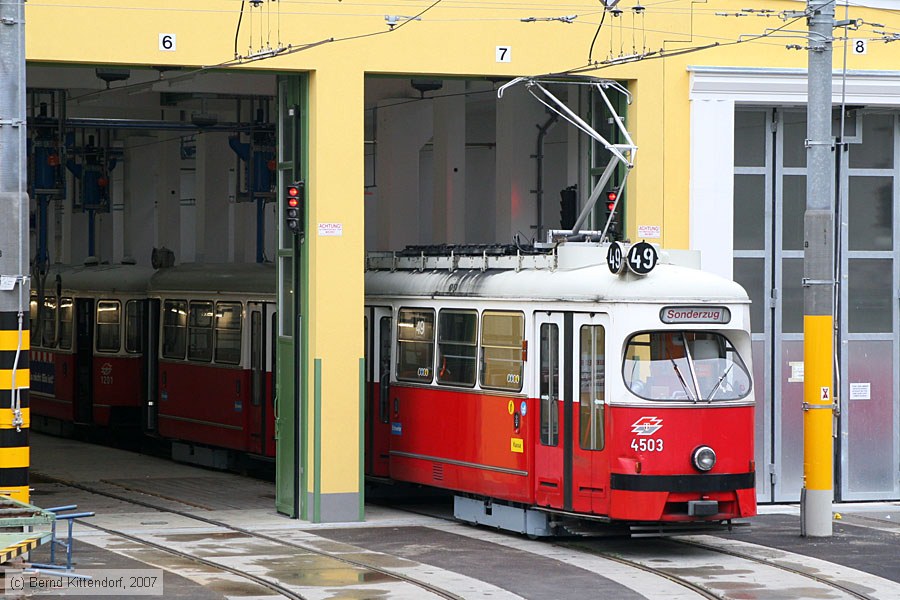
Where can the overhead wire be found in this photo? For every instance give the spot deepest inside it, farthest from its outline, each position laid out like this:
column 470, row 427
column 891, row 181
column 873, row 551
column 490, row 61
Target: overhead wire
column 663, row 53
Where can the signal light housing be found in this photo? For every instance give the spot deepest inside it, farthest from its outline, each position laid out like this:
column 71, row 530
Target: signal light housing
column 293, row 207
column 611, row 197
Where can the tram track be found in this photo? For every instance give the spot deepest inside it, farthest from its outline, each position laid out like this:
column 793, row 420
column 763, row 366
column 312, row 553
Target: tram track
column 273, row 586
column 687, row 560
column 747, row 556
column 701, row 577
column 600, row 547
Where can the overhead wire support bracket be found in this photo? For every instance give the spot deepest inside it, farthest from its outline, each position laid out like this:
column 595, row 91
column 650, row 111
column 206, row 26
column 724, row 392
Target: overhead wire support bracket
column 622, row 154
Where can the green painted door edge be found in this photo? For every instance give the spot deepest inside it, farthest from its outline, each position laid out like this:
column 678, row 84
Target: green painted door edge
column 362, row 439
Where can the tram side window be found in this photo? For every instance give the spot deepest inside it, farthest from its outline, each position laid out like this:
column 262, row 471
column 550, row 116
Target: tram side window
column 502, row 334
column 48, row 323
column 549, row 384
column 228, row 333
column 66, row 316
column 457, row 347
column 592, row 386
column 108, row 325
column 415, row 344
column 174, row 326
column 200, row 332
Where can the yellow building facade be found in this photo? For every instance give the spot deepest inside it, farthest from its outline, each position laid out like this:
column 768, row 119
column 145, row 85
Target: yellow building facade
column 701, row 76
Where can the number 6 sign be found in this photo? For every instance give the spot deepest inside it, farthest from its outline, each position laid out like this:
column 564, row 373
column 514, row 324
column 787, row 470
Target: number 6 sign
column 167, row 42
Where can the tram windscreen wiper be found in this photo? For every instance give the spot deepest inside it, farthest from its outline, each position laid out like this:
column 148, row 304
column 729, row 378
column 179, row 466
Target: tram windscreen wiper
column 684, row 384
column 719, row 383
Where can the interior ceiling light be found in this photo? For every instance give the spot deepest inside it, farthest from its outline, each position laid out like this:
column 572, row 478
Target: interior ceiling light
column 110, row 75
column 426, row 85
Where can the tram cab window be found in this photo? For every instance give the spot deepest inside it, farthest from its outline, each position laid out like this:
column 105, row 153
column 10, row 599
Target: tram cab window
column 66, row 317
column 502, row 334
column 200, row 332
column 48, row 323
column 108, row 325
column 228, row 333
column 174, row 326
column 684, row 366
column 415, row 344
column 457, row 347
column 134, row 330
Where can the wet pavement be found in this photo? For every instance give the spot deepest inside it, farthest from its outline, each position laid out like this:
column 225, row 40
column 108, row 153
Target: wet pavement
column 217, row 535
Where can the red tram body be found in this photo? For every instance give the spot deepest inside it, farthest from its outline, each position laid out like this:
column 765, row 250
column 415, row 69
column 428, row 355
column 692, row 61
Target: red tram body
column 183, row 354
column 545, row 387
column 89, row 347
column 214, row 372
column 539, row 388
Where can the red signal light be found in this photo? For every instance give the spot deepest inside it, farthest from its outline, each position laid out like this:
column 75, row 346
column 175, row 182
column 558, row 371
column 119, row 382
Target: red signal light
column 293, row 192
column 293, row 202
column 612, row 195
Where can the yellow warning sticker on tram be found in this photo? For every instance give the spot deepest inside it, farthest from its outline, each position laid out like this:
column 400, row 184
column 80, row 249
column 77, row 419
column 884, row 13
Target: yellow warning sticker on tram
column 511, row 407
column 517, row 445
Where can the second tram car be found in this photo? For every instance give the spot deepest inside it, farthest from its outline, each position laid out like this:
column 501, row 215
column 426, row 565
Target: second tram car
column 183, row 354
column 545, row 387
column 89, row 345
column 214, row 367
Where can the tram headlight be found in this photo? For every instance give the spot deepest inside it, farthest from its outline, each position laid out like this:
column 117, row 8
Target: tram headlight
column 704, row 458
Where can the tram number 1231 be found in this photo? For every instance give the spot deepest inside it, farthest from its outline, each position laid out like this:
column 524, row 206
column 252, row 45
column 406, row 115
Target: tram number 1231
column 647, row 445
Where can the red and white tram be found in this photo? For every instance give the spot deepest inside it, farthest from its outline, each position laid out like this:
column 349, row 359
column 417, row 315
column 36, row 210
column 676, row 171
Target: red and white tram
column 543, row 387
column 183, row 353
column 214, row 372
column 89, row 343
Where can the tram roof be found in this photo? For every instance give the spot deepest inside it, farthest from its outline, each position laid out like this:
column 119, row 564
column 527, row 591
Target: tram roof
column 216, row 277
column 100, row 278
column 584, row 279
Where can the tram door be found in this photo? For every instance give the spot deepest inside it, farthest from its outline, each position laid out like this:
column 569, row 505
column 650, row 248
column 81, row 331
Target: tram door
column 258, row 363
column 548, row 453
column 378, row 385
column 84, row 360
column 570, row 465
column 590, row 465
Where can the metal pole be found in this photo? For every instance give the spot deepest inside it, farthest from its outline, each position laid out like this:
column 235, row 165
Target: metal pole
column 14, row 252
column 818, row 281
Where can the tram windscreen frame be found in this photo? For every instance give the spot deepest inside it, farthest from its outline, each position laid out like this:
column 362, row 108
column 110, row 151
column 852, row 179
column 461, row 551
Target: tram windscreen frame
column 684, row 366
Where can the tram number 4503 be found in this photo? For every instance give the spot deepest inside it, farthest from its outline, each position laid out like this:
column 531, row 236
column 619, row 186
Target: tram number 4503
column 647, row 445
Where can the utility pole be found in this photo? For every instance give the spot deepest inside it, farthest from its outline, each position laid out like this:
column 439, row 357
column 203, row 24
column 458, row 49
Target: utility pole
column 818, row 281
column 14, row 255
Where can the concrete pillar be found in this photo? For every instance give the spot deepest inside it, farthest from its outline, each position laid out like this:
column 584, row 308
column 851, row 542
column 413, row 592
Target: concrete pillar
column 402, row 131
column 211, row 194
column 449, row 167
column 142, row 195
column 168, row 200
column 712, row 185
column 481, row 126
column 517, row 115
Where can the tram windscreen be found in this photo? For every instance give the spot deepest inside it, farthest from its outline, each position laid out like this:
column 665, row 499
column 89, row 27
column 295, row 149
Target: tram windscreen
column 692, row 366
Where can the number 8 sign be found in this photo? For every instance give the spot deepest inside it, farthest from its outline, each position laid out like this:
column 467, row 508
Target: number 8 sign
column 641, row 258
